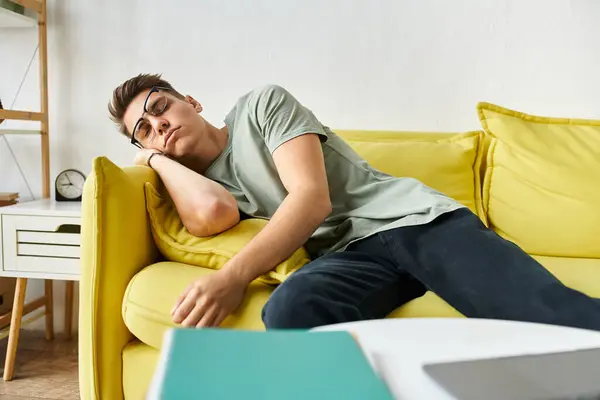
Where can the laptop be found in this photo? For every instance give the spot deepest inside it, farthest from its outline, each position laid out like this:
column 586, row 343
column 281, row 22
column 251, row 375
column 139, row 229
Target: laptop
column 561, row 375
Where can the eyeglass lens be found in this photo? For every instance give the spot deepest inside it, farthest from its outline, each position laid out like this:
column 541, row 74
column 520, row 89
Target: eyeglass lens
column 156, row 105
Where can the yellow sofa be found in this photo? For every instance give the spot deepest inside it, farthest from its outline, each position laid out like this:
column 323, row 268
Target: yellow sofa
column 127, row 290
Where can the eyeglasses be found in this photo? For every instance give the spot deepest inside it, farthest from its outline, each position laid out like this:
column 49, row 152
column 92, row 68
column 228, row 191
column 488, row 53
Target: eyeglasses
column 143, row 130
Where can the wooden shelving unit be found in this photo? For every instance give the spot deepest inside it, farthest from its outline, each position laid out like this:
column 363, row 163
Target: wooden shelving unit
column 11, row 19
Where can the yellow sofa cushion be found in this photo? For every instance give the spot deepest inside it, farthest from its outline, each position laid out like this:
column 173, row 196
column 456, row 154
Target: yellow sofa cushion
column 177, row 244
column 152, row 292
column 139, row 365
column 541, row 187
column 446, row 162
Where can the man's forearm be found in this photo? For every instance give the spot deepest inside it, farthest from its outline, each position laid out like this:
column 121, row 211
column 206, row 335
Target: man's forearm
column 196, row 197
column 295, row 220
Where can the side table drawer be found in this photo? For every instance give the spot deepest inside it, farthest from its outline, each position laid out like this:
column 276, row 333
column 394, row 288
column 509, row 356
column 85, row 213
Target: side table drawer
column 41, row 244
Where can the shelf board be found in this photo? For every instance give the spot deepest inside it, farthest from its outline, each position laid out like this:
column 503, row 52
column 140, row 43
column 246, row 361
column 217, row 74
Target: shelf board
column 20, row 131
column 35, row 5
column 22, row 115
column 11, row 19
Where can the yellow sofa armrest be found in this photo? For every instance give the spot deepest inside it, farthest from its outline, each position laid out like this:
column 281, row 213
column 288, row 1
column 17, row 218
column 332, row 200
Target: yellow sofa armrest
column 116, row 244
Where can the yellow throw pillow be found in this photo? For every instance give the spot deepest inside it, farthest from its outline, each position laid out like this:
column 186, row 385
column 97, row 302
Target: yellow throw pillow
column 177, row 244
column 542, row 182
column 448, row 163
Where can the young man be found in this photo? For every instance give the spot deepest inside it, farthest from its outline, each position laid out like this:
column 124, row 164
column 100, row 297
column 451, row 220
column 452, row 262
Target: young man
column 376, row 241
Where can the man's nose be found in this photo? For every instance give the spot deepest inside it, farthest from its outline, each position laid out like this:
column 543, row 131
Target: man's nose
column 160, row 125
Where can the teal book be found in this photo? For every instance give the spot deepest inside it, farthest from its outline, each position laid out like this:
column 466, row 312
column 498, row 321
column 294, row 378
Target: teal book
column 228, row 364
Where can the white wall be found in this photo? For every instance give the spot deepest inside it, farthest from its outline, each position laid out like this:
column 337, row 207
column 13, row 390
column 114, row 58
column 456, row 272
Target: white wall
column 380, row 64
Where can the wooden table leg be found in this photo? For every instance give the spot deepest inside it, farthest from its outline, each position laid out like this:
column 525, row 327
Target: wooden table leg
column 69, row 309
column 15, row 328
column 49, row 310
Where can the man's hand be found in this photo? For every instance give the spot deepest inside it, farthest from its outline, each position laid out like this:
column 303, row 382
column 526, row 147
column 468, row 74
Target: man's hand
column 142, row 156
column 209, row 300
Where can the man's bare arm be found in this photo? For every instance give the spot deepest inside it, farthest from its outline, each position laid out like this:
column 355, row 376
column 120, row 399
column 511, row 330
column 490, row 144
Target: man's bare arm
column 204, row 206
column 301, row 168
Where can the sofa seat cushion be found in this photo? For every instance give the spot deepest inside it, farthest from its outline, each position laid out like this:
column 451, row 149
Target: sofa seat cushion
column 139, row 364
column 448, row 163
column 541, row 186
column 152, row 292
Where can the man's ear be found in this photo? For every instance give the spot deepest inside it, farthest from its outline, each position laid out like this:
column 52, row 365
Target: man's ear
column 197, row 106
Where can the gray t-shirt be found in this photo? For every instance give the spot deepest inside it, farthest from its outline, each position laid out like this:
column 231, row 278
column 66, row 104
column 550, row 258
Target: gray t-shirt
column 364, row 200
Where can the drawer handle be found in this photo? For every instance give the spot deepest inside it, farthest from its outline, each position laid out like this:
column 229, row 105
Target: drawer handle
column 69, row 228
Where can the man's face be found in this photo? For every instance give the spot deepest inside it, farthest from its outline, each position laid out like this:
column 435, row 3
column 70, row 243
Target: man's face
column 171, row 125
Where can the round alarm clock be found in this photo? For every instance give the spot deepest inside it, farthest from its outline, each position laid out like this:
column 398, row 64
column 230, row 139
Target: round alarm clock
column 69, row 185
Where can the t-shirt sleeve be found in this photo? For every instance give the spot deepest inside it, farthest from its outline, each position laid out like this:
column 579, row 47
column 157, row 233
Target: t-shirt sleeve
column 280, row 117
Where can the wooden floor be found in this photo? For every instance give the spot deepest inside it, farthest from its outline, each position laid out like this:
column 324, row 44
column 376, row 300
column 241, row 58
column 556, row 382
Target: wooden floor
column 44, row 370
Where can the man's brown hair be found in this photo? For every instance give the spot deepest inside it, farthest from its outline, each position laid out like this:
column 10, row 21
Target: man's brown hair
column 128, row 90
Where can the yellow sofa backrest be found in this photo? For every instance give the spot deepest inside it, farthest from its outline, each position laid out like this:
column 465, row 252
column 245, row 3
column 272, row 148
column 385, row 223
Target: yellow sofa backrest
column 448, row 162
column 541, row 188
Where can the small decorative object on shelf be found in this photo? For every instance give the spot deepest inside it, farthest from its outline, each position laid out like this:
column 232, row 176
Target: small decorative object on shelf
column 7, row 199
column 1, row 108
column 69, row 185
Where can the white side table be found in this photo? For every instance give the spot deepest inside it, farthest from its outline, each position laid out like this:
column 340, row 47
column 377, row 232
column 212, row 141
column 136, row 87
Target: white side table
column 39, row 240
column 398, row 348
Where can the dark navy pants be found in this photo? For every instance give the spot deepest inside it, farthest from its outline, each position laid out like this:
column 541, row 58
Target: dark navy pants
column 468, row 265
